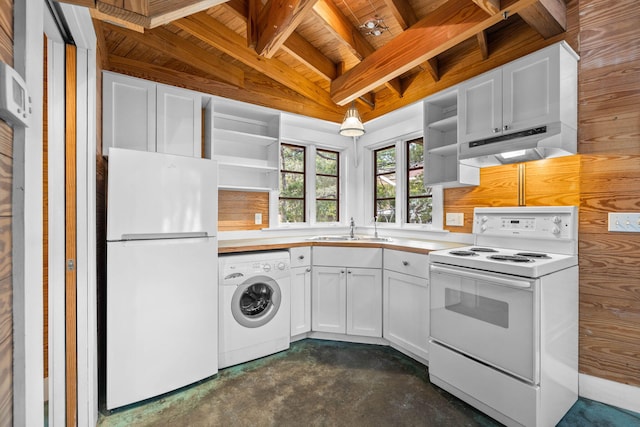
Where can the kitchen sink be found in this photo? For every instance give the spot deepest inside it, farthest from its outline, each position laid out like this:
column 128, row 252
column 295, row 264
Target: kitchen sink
column 347, row 238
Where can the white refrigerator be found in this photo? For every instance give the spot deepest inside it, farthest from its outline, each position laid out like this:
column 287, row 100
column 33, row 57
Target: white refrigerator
column 162, row 292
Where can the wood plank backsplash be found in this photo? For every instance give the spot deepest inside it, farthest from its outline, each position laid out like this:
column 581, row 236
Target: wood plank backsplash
column 237, row 209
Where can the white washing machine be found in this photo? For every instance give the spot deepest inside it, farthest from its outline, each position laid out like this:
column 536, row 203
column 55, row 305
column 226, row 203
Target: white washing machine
column 255, row 303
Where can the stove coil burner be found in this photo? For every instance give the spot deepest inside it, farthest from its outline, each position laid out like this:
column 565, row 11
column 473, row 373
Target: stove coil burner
column 463, row 253
column 533, row 255
column 483, row 250
column 512, row 258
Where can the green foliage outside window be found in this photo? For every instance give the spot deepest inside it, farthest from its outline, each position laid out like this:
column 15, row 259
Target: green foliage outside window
column 385, row 175
column 292, row 183
column 327, row 186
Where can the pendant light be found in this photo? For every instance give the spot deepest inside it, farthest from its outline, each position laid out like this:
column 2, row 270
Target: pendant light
column 352, row 124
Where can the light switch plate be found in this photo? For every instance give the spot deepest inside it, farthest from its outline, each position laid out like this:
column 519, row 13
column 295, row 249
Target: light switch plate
column 455, row 219
column 626, row 222
column 258, row 219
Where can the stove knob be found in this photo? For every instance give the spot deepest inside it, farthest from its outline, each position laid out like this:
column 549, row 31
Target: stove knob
column 484, row 218
column 266, row 268
column 281, row 266
column 483, row 228
column 556, row 220
column 556, row 230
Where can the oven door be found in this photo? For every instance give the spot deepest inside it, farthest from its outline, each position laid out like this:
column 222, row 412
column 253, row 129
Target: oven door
column 488, row 316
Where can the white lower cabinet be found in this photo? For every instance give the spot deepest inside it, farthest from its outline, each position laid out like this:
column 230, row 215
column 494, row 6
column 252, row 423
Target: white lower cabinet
column 300, row 290
column 406, row 301
column 347, row 300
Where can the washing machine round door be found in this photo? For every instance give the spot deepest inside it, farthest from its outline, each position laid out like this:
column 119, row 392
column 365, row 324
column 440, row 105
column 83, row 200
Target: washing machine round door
column 256, row 301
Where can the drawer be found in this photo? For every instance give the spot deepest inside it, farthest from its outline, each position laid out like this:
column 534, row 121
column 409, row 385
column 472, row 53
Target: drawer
column 407, row 263
column 333, row 256
column 301, row 256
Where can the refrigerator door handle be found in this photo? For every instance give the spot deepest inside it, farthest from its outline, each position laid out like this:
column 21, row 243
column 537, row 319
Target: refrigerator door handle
column 154, row 236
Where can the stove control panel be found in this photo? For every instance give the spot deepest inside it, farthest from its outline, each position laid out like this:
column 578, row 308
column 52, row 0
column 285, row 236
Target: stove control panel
column 526, row 221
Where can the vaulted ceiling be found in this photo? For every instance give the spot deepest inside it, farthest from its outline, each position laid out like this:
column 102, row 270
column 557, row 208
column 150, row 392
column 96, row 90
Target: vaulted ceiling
column 315, row 57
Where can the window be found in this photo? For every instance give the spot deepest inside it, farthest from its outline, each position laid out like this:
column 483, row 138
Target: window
column 327, row 186
column 385, row 184
column 419, row 201
column 292, row 183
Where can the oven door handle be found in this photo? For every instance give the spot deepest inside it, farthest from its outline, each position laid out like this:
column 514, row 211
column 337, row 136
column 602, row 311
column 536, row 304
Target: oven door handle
column 514, row 283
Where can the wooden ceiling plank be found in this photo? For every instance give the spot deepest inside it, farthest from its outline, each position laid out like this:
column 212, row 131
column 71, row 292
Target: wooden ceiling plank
column 252, row 23
column 490, row 6
column 395, row 86
column 547, row 17
column 450, row 24
column 280, row 20
column 483, row 44
column 116, row 3
column 208, row 30
column 163, row 40
column 402, row 12
column 158, row 19
column 101, row 16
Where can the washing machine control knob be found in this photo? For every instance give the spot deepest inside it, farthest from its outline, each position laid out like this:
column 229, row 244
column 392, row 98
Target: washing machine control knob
column 266, row 267
column 281, row 265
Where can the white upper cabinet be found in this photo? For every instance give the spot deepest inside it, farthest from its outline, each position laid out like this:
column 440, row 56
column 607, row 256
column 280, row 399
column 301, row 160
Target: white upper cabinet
column 179, row 120
column 146, row 116
column 538, row 89
column 129, row 113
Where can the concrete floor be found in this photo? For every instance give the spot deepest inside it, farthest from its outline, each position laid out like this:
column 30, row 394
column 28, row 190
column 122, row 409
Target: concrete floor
column 325, row 383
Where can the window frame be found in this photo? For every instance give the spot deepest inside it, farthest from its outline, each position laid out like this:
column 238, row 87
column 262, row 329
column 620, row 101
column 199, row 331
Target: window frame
column 375, row 180
column 304, row 181
column 407, row 177
column 338, row 185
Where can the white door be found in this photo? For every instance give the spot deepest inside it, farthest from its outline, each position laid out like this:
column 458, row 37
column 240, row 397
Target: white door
column 406, row 312
column 329, row 299
column 364, row 302
column 179, row 121
column 531, row 91
column 300, row 300
column 129, row 112
column 488, row 316
column 480, row 107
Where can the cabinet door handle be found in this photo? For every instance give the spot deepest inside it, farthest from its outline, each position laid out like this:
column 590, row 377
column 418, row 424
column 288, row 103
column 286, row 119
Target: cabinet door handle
column 496, row 130
column 308, row 270
column 405, row 263
column 506, row 127
column 341, row 271
column 349, row 271
column 301, row 257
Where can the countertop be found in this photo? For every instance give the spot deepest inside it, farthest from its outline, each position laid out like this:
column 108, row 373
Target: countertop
column 402, row 244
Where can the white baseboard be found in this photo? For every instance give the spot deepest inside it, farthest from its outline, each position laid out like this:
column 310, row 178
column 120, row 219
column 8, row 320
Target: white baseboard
column 610, row 392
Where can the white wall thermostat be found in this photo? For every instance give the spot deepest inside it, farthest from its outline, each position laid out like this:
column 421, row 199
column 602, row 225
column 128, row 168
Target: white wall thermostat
column 15, row 102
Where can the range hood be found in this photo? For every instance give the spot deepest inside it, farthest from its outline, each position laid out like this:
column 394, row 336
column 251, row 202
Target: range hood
column 540, row 142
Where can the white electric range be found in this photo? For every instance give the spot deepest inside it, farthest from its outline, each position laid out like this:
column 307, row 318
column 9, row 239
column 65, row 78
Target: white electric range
column 504, row 315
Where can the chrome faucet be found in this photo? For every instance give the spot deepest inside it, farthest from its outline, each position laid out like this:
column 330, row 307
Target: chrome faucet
column 352, row 226
column 375, row 226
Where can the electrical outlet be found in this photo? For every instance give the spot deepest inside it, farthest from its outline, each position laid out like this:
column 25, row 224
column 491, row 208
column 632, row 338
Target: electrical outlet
column 258, row 219
column 455, row 219
column 628, row 222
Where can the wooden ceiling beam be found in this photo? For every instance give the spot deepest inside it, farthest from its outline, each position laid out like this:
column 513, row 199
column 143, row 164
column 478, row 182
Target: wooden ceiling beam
column 344, row 31
column 402, row 12
column 547, row 17
column 450, row 24
column 483, row 43
column 295, row 45
column 110, row 19
column 431, row 65
column 210, row 31
column 91, row 4
column 278, row 22
column 179, row 48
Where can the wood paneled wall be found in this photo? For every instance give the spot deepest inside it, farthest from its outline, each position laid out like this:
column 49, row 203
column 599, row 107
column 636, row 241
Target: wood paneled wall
column 609, row 140
column 6, row 183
